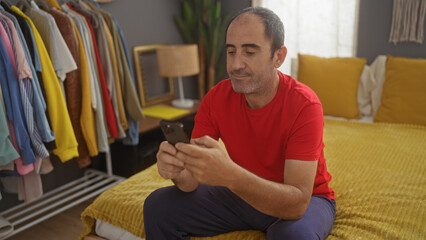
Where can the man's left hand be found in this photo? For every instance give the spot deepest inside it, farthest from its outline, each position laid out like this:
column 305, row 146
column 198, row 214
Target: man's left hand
column 207, row 160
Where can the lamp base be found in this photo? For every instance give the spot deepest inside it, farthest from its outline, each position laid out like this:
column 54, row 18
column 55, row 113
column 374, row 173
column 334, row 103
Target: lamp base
column 183, row 103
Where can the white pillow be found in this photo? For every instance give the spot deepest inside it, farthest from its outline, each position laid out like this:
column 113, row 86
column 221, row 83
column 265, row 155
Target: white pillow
column 365, row 86
column 378, row 70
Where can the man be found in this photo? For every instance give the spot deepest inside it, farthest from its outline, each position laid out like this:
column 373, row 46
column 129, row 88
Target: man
column 272, row 176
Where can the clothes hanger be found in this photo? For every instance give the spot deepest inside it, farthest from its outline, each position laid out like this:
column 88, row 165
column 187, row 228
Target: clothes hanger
column 102, row 1
column 6, row 2
column 24, row 5
column 43, row 5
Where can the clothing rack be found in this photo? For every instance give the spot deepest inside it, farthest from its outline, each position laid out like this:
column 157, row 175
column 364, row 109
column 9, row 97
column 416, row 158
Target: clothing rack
column 93, row 183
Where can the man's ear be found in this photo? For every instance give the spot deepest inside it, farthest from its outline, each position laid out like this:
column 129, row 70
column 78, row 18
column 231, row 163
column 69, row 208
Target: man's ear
column 279, row 56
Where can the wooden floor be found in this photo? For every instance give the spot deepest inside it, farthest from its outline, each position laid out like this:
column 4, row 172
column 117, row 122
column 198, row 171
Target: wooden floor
column 64, row 226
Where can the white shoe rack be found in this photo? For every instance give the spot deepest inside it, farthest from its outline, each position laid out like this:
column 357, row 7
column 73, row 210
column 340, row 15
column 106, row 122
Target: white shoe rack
column 93, row 183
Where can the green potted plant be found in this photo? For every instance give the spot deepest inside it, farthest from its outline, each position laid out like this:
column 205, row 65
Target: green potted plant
column 202, row 23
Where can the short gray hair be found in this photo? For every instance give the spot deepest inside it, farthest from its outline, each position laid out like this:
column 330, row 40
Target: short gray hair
column 274, row 27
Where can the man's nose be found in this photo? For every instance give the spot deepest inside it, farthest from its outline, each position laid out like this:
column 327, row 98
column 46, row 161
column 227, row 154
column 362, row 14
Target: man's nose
column 236, row 62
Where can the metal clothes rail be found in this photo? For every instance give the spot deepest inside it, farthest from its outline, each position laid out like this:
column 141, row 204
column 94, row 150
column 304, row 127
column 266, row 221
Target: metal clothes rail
column 93, row 183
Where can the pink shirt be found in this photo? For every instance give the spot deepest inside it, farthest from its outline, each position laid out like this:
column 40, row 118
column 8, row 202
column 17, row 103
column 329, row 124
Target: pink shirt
column 23, row 67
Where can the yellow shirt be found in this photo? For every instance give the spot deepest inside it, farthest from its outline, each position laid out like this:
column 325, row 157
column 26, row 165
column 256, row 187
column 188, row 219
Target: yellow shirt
column 54, row 3
column 66, row 143
column 87, row 119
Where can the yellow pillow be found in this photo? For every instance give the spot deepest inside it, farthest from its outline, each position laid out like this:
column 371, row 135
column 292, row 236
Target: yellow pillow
column 335, row 81
column 404, row 91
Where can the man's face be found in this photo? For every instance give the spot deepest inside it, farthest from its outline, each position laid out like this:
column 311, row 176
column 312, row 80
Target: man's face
column 248, row 54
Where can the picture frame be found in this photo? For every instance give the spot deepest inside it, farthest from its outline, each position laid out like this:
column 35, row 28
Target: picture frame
column 153, row 89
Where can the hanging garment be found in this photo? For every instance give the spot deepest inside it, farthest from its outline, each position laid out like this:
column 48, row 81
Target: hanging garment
column 46, row 166
column 114, row 86
column 87, row 119
column 136, row 110
column 7, row 152
column 101, row 132
column 17, row 167
column 27, row 34
column 73, row 85
column 54, row 3
column 12, row 99
column 93, row 24
column 119, row 97
column 43, row 122
column 9, row 149
column 130, row 97
column 8, row 167
column 30, row 187
column 25, row 87
column 98, row 24
column 59, row 117
column 59, row 53
column 6, row 170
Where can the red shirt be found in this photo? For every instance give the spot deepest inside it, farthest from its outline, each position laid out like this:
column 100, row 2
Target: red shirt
column 260, row 140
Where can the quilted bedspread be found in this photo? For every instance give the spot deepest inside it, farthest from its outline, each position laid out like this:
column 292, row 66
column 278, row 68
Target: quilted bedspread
column 379, row 177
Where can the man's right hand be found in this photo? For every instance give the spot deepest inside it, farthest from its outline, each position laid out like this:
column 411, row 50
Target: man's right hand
column 169, row 167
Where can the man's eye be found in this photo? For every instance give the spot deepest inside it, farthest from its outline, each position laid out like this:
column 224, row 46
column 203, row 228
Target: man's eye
column 231, row 52
column 250, row 53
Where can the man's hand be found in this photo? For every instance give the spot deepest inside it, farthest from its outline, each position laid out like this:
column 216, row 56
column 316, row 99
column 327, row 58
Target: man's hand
column 207, row 161
column 169, row 167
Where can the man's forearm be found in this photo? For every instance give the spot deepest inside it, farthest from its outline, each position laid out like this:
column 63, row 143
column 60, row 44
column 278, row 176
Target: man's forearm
column 272, row 198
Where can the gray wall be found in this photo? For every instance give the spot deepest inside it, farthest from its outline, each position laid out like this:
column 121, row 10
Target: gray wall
column 375, row 20
column 233, row 6
column 146, row 22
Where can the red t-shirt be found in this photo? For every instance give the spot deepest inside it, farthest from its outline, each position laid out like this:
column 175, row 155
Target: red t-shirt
column 260, row 140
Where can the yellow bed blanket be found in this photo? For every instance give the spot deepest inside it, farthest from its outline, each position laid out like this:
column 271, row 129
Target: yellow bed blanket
column 379, row 177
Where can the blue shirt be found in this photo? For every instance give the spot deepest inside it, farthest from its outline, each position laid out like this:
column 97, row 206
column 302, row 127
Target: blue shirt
column 14, row 109
column 132, row 133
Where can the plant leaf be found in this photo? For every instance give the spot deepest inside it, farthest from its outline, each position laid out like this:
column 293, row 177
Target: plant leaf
column 183, row 30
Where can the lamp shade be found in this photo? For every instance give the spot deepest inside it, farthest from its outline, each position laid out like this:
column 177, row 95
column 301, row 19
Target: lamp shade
column 178, row 60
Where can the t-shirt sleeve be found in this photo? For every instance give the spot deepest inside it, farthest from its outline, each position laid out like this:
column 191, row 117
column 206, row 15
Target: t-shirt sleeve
column 204, row 123
column 306, row 136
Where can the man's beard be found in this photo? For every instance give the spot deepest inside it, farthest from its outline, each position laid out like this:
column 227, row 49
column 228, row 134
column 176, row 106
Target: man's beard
column 245, row 86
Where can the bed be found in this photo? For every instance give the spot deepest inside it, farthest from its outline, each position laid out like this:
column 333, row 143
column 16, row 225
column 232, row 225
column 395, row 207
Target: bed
column 378, row 169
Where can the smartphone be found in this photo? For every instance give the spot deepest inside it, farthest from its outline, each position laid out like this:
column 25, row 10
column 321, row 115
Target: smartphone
column 174, row 132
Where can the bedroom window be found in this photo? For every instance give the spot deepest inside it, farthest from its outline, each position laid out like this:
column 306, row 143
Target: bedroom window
column 326, row 28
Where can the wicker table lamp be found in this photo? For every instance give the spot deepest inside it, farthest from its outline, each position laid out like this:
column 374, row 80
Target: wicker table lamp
column 179, row 61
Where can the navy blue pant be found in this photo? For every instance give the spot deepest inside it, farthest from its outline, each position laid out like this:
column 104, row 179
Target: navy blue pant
column 172, row 214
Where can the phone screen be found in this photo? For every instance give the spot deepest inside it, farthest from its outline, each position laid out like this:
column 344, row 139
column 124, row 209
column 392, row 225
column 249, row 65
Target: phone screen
column 174, row 132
